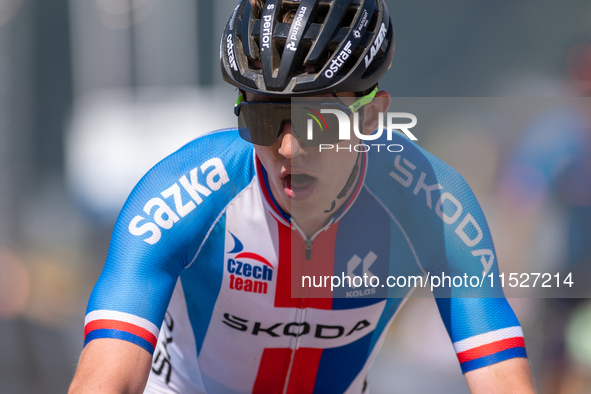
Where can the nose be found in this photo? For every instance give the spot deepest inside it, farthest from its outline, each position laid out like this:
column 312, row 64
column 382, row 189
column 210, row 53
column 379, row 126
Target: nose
column 290, row 145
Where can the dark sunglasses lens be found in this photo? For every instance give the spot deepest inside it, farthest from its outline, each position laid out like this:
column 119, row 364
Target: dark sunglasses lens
column 314, row 126
column 260, row 123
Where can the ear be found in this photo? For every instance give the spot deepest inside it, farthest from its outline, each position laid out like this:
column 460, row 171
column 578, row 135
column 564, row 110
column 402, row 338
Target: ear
column 380, row 103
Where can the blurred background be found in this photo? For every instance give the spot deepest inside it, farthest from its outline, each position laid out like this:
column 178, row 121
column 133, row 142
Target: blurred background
column 95, row 92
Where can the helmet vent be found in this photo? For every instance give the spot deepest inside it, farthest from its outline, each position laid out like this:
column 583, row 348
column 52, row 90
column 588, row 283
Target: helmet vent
column 256, row 48
column 373, row 22
column 321, row 13
column 306, row 68
column 349, row 16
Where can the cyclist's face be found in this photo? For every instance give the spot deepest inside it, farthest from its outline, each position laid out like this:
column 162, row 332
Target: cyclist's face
column 303, row 180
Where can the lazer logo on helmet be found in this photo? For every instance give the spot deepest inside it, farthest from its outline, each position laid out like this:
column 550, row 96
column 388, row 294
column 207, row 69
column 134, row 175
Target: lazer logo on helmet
column 230, row 50
column 337, row 63
column 297, row 24
column 241, row 272
column 294, row 329
column 376, row 45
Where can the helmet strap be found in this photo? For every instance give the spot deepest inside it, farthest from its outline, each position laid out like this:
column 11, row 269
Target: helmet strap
column 348, row 185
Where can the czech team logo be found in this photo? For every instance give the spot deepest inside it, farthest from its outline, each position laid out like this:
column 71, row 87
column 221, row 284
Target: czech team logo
column 249, row 271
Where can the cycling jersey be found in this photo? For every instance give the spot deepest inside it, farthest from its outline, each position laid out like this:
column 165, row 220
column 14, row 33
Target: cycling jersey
column 198, row 272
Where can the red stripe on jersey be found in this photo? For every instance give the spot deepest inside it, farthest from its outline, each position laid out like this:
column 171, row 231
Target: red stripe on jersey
column 293, row 265
column 303, row 371
column 321, row 265
column 272, row 371
column 491, row 348
column 121, row 326
column 254, row 256
column 266, row 192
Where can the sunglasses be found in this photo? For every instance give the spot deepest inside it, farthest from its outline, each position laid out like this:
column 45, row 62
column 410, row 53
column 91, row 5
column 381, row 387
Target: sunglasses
column 261, row 122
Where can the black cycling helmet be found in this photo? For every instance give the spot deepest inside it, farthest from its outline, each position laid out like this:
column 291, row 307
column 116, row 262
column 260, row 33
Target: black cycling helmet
column 330, row 46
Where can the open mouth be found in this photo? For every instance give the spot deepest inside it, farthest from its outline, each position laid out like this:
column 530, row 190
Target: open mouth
column 298, row 186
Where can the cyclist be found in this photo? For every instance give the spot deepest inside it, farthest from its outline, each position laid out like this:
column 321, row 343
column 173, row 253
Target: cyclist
column 197, row 292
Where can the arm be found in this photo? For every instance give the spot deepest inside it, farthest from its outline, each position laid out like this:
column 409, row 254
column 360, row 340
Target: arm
column 158, row 234
column 509, row 376
column 486, row 334
column 449, row 232
column 111, row 366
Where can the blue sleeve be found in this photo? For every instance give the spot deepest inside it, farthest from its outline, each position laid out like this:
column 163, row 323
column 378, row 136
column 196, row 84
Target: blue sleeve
column 448, row 232
column 159, row 232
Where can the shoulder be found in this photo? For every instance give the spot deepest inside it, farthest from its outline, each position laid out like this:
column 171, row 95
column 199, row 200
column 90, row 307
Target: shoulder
column 225, row 145
column 192, row 185
column 404, row 170
column 433, row 204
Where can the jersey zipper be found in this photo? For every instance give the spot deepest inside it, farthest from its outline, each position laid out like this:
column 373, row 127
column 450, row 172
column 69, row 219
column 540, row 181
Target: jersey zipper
column 308, row 242
column 308, row 248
